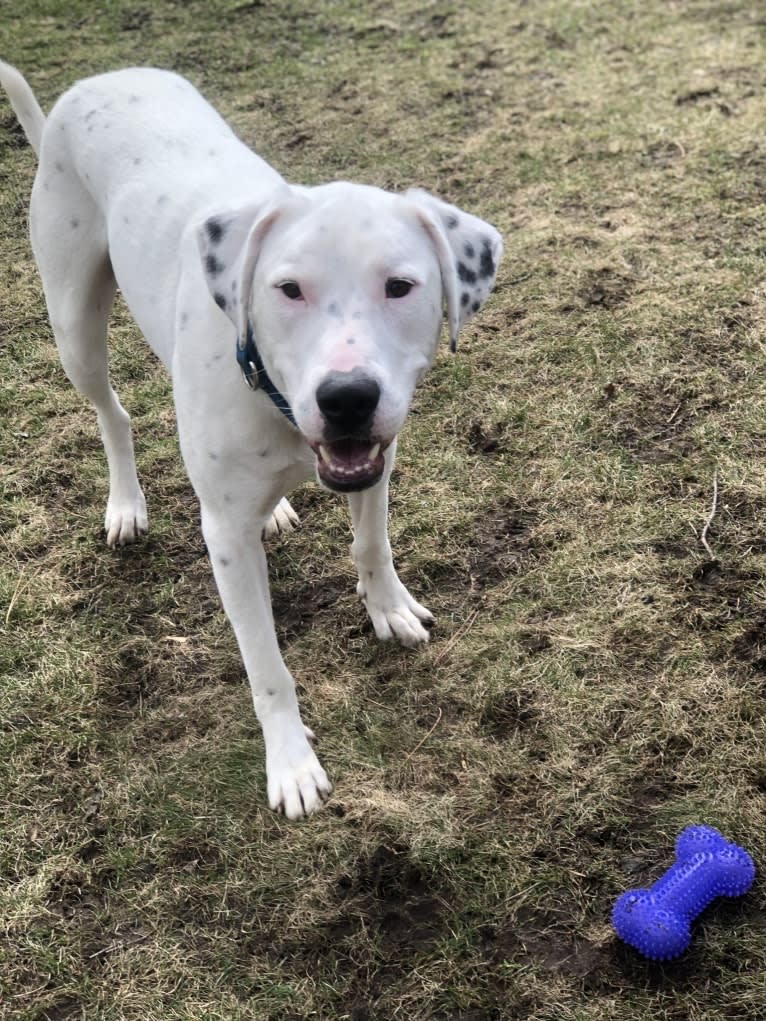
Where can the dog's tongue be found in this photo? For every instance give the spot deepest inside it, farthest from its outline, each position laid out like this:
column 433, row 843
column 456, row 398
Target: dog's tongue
column 350, row 463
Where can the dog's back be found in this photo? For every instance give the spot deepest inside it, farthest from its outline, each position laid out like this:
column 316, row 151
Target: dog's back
column 133, row 157
column 146, row 129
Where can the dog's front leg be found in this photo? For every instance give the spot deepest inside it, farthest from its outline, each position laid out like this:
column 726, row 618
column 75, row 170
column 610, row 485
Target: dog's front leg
column 297, row 784
column 393, row 611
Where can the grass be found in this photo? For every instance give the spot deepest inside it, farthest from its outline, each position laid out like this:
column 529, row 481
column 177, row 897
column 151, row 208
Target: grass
column 596, row 678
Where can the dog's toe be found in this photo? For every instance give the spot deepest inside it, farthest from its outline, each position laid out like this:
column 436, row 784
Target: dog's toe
column 394, row 613
column 125, row 521
column 283, row 519
column 298, row 785
column 402, row 624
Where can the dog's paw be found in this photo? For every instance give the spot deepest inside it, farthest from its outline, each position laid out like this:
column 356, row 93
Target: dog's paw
column 283, row 519
column 297, row 784
column 125, row 520
column 393, row 611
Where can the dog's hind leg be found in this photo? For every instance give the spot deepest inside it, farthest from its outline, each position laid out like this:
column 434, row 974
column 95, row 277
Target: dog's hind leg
column 69, row 242
column 283, row 519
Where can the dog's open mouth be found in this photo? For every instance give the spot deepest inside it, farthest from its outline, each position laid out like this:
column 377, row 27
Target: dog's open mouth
column 348, row 465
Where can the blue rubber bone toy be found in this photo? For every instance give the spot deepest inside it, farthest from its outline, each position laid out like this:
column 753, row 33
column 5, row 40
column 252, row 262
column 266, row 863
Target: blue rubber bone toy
column 657, row 921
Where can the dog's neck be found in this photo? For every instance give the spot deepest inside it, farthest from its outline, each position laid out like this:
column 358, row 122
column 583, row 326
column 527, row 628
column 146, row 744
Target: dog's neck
column 256, row 376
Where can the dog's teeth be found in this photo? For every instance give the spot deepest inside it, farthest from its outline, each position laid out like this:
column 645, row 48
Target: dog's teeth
column 374, row 452
column 325, row 456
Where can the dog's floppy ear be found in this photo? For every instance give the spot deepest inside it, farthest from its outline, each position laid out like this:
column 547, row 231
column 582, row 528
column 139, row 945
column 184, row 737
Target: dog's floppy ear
column 468, row 249
column 229, row 243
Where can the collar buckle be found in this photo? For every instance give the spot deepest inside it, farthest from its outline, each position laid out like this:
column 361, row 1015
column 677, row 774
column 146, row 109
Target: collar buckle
column 256, row 376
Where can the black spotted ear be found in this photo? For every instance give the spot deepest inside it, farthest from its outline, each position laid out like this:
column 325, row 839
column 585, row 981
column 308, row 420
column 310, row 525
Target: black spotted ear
column 469, row 251
column 229, row 243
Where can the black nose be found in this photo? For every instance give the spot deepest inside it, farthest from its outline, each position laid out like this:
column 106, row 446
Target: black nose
column 348, row 400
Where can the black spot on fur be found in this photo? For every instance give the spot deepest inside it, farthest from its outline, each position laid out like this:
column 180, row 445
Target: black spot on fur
column 465, row 297
column 469, row 250
column 220, row 300
column 212, row 266
column 161, row 200
column 333, row 310
column 351, row 340
column 212, row 455
column 466, row 275
column 452, row 221
column 137, row 161
column 59, row 166
column 215, row 230
column 475, row 306
column 224, row 561
column 74, row 223
column 486, row 262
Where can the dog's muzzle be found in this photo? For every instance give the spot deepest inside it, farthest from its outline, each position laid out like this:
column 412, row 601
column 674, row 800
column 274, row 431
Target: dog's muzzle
column 350, row 457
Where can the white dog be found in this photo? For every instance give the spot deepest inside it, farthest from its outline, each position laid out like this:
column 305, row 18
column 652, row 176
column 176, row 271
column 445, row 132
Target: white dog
column 329, row 297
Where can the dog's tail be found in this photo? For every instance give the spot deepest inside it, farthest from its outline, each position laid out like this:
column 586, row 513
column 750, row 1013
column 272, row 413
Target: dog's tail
column 23, row 101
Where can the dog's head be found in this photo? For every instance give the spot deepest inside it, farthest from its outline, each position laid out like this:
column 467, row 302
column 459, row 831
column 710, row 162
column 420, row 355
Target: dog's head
column 342, row 287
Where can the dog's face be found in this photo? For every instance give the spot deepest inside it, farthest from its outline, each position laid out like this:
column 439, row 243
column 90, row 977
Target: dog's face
column 343, row 287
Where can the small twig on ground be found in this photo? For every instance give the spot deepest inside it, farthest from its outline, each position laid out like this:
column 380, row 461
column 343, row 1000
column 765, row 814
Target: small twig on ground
column 446, row 649
column 21, row 584
column 121, row 944
column 423, row 740
column 680, row 148
column 708, row 523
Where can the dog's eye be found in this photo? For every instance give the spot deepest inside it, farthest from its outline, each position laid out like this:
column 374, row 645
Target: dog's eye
column 291, row 290
column 398, row 288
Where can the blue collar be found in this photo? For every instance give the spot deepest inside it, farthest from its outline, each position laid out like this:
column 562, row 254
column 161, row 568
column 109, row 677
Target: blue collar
column 257, row 378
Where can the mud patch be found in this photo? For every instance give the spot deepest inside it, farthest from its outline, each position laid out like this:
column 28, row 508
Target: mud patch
column 604, row 288
column 67, row 1009
column 506, row 541
column 717, row 594
column 299, row 608
column 145, row 671
column 662, row 154
column 499, row 542
column 750, row 647
column 389, row 901
column 13, row 132
column 509, row 712
column 697, row 94
column 394, row 896
column 653, row 423
column 485, row 439
column 545, row 940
